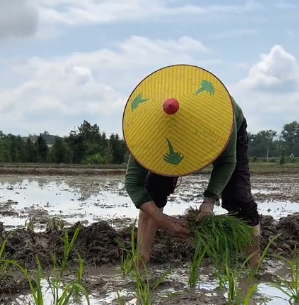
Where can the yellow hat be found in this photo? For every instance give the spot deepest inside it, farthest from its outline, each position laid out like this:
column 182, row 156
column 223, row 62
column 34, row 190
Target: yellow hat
column 178, row 120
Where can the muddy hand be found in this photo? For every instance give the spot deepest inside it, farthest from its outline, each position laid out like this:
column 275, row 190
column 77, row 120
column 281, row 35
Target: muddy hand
column 181, row 222
column 205, row 209
column 173, row 226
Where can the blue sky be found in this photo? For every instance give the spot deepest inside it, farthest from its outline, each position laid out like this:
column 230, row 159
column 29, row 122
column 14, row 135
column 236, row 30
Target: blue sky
column 65, row 61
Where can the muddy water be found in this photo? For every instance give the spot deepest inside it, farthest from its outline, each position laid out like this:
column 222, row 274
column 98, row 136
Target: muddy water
column 92, row 200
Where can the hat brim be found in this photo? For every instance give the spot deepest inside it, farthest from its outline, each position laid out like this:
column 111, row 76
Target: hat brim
column 188, row 140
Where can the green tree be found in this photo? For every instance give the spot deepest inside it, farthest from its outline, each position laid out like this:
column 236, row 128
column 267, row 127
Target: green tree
column 95, row 159
column 31, row 153
column 60, row 152
column 77, row 146
column 282, row 156
column 117, row 148
column 42, row 149
column 262, row 143
column 290, row 136
column 108, row 154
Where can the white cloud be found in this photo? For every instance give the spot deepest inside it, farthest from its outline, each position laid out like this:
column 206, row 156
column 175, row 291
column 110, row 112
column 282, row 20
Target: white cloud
column 60, row 91
column 57, row 94
column 20, row 18
column 269, row 94
column 17, row 19
column 74, row 12
column 277, row 71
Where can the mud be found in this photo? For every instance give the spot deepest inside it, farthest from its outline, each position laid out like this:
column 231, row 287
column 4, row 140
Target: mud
column 85, row 170
column 49, row 171
column 97, row 244
column 53, row 203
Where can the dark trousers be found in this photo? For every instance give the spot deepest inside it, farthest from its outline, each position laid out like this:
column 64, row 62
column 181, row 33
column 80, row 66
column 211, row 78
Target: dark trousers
column 236, row 196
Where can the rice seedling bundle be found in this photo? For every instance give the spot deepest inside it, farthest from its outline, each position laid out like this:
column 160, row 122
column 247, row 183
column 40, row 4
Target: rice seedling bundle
column 221, row 236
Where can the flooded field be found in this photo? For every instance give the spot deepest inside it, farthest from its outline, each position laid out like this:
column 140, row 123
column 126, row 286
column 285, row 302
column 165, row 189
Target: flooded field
column 107, row 213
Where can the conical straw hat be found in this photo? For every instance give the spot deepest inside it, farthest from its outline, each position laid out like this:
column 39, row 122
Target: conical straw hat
column 178, row 120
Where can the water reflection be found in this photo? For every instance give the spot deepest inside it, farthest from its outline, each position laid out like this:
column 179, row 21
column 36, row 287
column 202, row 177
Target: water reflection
column 90, row 198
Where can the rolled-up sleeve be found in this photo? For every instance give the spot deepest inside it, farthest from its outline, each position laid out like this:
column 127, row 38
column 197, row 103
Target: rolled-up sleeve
column 135, row 181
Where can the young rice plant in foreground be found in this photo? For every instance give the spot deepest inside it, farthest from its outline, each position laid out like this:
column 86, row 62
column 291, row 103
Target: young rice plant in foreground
column 62, row 294
column 133, row 266
column 289, row 287
column 36, row 288
column 68, row 247
column 129, row 257
column 195, row 263
column 232, row 275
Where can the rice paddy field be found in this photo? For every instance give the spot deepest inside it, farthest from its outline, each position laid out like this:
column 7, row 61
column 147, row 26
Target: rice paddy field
column 67, row 239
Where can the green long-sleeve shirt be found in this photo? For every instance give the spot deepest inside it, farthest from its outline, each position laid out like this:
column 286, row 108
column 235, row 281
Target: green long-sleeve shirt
column 223, row 168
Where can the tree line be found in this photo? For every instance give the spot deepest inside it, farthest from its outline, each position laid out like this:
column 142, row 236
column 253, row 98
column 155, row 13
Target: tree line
column 271, row 144
column 89, row 145
column 86, row 145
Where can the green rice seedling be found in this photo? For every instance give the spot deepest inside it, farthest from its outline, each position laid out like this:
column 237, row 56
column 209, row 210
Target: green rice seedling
column 2, row 248
column 234, row 294
column 67, row 248
column 262, row 257
column 143, row 287
column 55, row 223
column 54, row 281
column 133, row 266
column 249, row 295
column 195, row 263
column 3, row 267
column 220, row 277
column 36, row 287
column 143, row 291
column 221, row 234
column 172, row 295
column 129, row 257
column 161, row 279
column 232, row 286
column 79, row 277
column 120, row 299
column 289, row 287
column 232, row 275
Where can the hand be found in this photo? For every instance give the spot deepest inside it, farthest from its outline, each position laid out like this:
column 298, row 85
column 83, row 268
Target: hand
column 173, row 226
column 206, row 208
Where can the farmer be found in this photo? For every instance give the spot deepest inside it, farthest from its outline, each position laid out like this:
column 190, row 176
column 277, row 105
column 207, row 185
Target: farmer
column 177, row 121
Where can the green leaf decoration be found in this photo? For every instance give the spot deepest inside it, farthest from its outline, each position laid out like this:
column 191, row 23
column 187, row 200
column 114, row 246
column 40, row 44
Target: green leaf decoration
column 172, row 157
column 206, row 86
column 137, row 101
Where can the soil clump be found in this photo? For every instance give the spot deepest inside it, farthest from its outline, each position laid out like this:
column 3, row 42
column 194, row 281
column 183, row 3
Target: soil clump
column 97, row 243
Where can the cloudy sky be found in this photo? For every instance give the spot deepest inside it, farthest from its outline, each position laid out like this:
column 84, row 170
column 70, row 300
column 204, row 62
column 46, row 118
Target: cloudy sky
column 63, row 61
